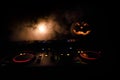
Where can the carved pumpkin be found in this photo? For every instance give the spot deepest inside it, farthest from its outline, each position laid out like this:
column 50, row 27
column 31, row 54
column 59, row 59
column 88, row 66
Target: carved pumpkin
column 80, row 28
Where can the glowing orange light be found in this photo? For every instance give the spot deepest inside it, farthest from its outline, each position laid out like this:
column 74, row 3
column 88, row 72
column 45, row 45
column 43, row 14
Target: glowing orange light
column 86, row 56
column 42, row 28
column 81, row 32
column 78, row 28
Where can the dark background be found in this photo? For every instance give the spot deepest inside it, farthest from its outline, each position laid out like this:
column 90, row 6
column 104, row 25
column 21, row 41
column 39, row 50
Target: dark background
column 13, row 11
column 97, row 13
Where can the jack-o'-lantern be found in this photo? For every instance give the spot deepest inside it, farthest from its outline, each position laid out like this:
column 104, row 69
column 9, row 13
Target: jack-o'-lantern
column 80, row 28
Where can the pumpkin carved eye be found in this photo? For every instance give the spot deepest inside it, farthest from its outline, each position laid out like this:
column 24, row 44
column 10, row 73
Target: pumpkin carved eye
column 80, row 28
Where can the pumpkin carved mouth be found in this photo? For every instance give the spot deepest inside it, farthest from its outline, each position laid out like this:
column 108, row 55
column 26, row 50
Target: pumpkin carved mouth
column 80, row 28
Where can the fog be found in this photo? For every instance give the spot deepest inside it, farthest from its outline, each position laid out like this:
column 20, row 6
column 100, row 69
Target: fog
column 30, row 31
column 55, row 26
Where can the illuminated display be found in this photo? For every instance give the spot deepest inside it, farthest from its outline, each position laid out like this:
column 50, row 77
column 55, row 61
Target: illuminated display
column 22, row 58
column 89, row 55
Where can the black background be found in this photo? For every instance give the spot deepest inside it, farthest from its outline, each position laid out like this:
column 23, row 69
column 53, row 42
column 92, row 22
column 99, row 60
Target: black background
column 97, row 12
